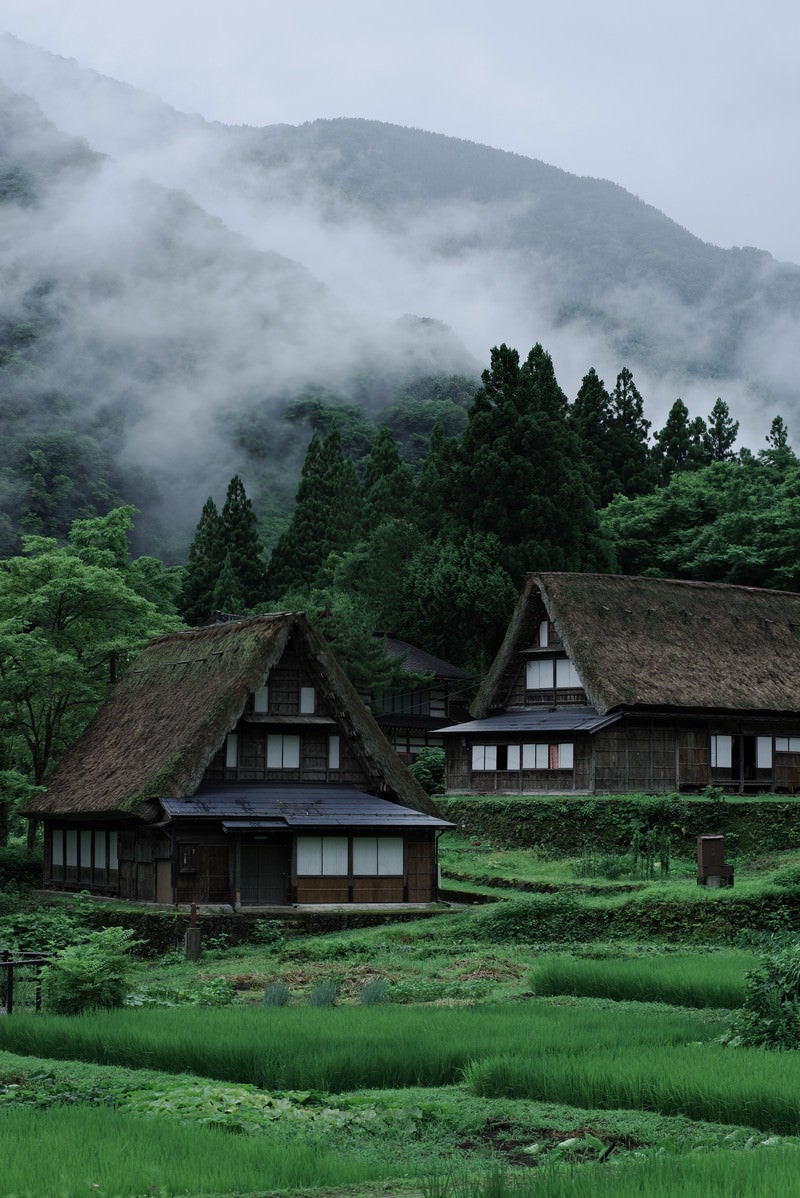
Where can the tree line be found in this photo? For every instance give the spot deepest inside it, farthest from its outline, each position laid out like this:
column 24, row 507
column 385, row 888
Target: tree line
column 434, row 552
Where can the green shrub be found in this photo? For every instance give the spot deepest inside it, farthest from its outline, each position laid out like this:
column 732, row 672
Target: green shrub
column 374, row 992
column 267, row 932
column 276, row 995
column 428, row 769
column 770, row 1015
column 88, row 975
column 531, row 918
column 323, row 995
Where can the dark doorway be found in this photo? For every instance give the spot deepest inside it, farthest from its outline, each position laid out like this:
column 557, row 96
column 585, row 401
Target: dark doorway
column 266, row 874
column 744, row 758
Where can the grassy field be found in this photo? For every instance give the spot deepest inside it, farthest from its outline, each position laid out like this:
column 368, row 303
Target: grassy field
column 514, row 1053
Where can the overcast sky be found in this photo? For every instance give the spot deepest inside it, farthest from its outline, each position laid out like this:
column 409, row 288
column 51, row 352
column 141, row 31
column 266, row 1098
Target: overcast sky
column 692, row 105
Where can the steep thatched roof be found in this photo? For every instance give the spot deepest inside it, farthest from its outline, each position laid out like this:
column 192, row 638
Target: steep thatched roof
column 659, row 643
column 163, row 722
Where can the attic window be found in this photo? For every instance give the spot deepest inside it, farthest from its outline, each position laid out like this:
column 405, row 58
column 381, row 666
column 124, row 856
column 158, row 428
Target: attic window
column 283, row 752
column 231, row 751
column 544, row 634
column 308, row 700
column 334, row 752
column 261, row 700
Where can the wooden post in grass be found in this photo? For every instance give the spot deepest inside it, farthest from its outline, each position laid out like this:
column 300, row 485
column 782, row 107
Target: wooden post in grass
column 192, row 938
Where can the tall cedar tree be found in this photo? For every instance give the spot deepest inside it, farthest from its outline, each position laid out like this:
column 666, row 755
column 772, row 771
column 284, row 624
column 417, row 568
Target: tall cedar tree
column 590, row 418
column 435, row 500
column 521, row 473
column 327, row 517
column 388, row 482
column 630, row 457
column 722, row 431
column 682, row 444
column 195, row 600
column 225, row 569
column 243, row 544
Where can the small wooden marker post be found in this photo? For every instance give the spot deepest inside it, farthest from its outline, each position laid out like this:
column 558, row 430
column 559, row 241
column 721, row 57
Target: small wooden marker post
column 192, row 938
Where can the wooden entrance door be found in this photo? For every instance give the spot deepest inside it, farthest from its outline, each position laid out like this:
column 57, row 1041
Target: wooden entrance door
column 265, row 874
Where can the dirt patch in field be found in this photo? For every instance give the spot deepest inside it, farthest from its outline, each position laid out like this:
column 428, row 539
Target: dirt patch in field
column 510, row 1140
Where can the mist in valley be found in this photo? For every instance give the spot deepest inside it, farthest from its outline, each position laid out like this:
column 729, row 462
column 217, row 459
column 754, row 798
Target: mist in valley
column 187, row 282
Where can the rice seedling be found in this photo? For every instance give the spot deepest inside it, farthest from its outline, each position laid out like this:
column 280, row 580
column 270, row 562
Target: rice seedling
column 767, row 1171
column 709, row 1082
column 82, row 1150
column 344, row 1048
column 689, row 980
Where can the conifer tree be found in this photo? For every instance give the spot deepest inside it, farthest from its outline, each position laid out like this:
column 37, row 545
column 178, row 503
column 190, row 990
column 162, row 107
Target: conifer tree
column 590, row 418
column 722, row 431
column 227, row 596
column 327, row 517
column 243, row 545
column 521, row 476
column 682, row 444
column 195, row 600
column 630, row 458
column 388, row 483
column 435, row 496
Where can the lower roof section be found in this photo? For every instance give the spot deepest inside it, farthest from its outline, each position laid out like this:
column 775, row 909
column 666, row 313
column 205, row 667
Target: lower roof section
column 296, row 806
column 537, row 719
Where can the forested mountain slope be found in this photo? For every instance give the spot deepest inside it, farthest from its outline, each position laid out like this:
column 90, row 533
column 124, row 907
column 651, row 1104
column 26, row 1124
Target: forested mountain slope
column 193, row 297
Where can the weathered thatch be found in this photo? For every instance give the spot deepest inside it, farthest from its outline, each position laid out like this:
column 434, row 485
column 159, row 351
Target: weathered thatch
column 651, row 643
column 169, row 714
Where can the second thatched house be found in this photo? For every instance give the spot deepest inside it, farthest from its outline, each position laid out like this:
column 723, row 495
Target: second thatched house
column 607, row 683
column 236, row 764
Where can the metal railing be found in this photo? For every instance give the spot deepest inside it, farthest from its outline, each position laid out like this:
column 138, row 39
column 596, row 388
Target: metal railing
column 21, row 982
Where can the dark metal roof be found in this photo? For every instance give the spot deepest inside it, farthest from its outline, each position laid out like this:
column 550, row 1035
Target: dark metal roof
column 535, row 719
column 416, row 661
column 268, row 805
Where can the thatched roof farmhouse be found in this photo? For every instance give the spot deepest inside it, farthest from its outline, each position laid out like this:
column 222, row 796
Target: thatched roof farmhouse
column 237, row 764
column 612, row 683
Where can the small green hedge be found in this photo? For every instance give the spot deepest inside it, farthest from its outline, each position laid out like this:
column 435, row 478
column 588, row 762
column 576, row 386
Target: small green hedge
column 569, row 826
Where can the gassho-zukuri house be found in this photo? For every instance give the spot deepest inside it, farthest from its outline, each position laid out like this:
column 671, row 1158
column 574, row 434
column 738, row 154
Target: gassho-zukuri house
column 236, row 764
column 611, row 684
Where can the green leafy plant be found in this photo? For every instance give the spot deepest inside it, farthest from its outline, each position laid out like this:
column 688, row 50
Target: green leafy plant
column 91, row 974
column 770, row 1015
column 428, row 769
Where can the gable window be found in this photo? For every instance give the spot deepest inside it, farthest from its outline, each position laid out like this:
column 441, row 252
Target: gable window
column 334, row 752
column 231, row 751
column 539, row 675
column 551, row 673
column 544, row 634
column 566, row 674
column 308, row 700
column 322, row 856
column 283, row 752
column 261, row 700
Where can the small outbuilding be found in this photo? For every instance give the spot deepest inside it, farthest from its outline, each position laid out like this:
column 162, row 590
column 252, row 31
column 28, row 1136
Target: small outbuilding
column 236, row 764
column 609, row 683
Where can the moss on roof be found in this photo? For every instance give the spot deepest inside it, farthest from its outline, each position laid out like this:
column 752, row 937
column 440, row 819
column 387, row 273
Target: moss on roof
column 161, row 725
column 661, row 643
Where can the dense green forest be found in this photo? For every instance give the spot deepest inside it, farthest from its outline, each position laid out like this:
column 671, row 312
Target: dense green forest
column 424, row 525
